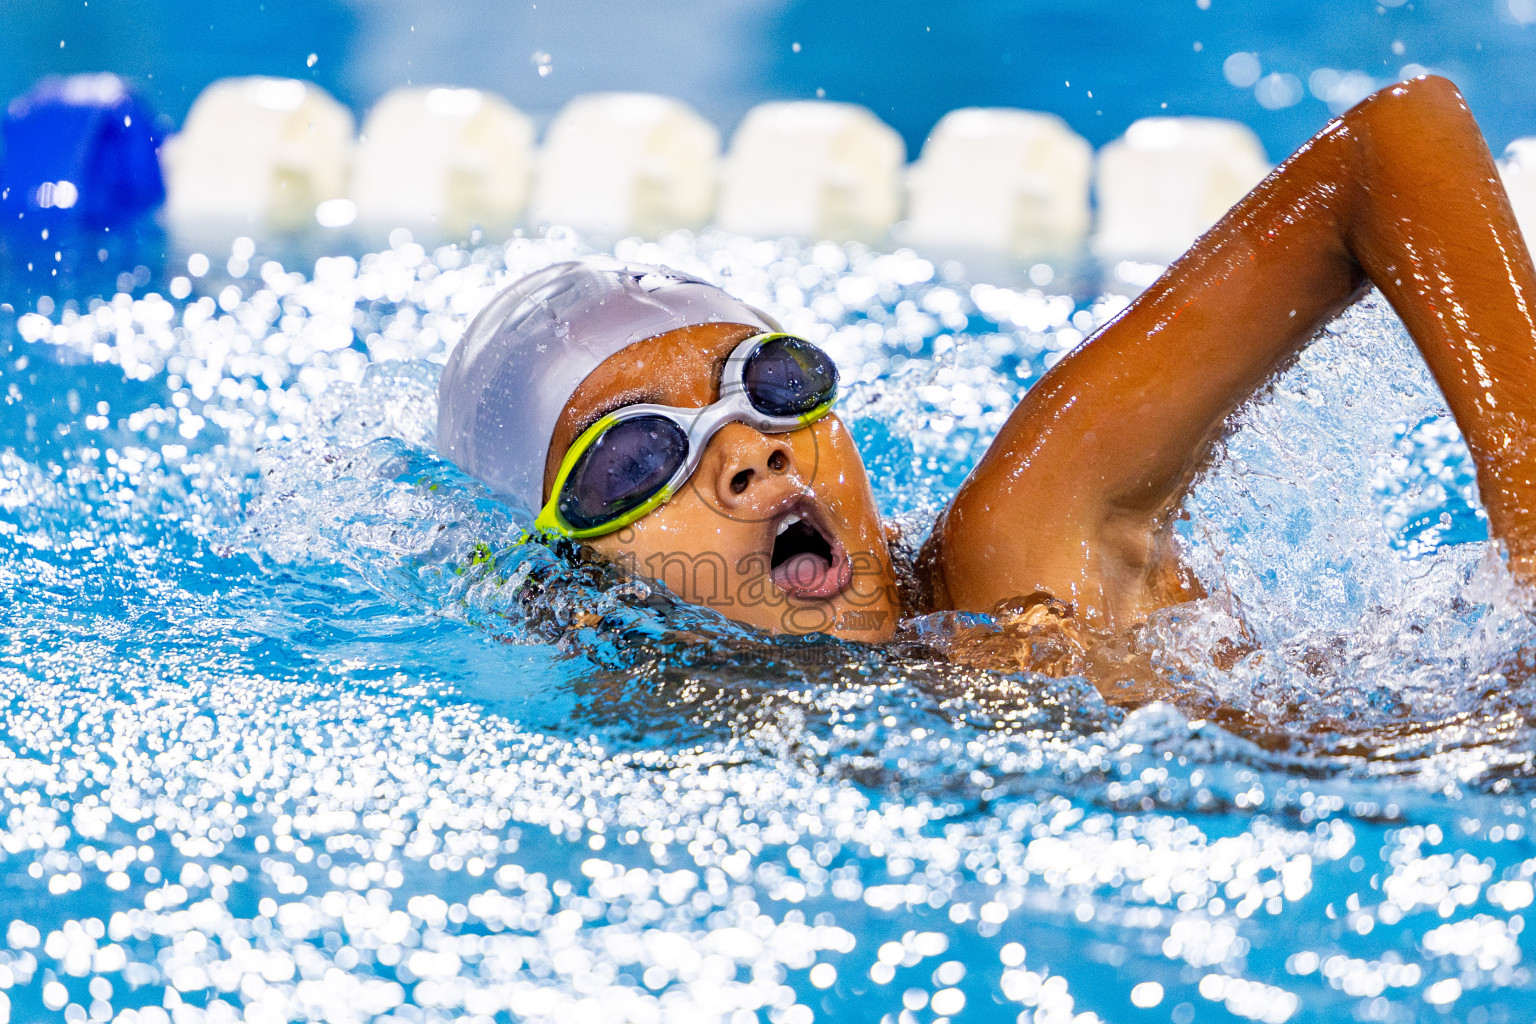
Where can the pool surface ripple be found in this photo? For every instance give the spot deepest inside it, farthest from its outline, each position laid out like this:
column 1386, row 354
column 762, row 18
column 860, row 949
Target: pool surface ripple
column 292, row 727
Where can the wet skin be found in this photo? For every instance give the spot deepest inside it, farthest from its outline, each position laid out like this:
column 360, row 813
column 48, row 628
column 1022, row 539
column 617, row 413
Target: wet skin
column 1071, row 504
column 1074, row 497
column 713, row 542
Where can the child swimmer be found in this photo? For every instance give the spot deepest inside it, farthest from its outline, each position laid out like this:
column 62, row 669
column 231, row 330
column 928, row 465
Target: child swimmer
column 666, row 425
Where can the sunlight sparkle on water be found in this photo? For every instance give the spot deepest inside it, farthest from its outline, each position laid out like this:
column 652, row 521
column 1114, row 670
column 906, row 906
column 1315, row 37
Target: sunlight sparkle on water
column 277, row 746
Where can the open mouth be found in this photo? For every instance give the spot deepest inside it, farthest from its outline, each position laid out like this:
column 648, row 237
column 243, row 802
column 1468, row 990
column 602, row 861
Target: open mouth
column 806, row 561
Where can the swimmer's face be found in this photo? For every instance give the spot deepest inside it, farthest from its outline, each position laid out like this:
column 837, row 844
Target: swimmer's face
column 778, row 531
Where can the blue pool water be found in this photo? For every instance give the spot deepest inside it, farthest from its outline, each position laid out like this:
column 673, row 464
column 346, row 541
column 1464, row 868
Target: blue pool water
column 291, row 728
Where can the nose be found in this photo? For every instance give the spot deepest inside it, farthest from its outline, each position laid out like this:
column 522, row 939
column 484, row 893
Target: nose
column 749, row 465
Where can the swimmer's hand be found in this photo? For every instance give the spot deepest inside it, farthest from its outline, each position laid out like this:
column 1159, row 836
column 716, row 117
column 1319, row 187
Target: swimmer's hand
column 1040, row 634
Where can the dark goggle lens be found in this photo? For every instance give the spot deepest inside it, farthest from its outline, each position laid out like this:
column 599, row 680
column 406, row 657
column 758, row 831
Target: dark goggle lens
column 622, row 469
column 789, row 377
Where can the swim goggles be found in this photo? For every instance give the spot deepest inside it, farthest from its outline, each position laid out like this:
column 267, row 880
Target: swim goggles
column 633, row 459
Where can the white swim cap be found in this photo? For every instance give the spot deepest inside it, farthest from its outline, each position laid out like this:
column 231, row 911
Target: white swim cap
column 528, row 351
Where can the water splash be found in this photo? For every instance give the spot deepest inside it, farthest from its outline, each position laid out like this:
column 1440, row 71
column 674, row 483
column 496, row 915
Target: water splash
column 294, row 726
column 1318, row 530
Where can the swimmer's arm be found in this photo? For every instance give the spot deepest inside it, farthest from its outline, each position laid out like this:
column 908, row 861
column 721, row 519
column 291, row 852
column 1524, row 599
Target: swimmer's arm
column 1073, row 496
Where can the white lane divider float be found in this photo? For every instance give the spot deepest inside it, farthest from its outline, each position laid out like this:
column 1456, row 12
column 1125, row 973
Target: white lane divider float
column 616, row 164
column 442, row 162
column 813, row 170
column 276, row 155
column 257, row 154
column 1003, row 183
column 1518, row 169
column 1168, row 179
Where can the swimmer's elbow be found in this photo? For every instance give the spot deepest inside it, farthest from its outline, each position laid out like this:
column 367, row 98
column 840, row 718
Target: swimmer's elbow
column 1410, row 124
column 1426, row 95
column 1425, row 88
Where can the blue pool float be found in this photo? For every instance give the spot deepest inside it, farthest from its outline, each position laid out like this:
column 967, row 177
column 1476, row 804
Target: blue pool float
column 81, row 148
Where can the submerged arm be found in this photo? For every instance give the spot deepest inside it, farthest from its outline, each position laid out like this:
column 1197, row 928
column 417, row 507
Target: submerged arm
column 1072, row 497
